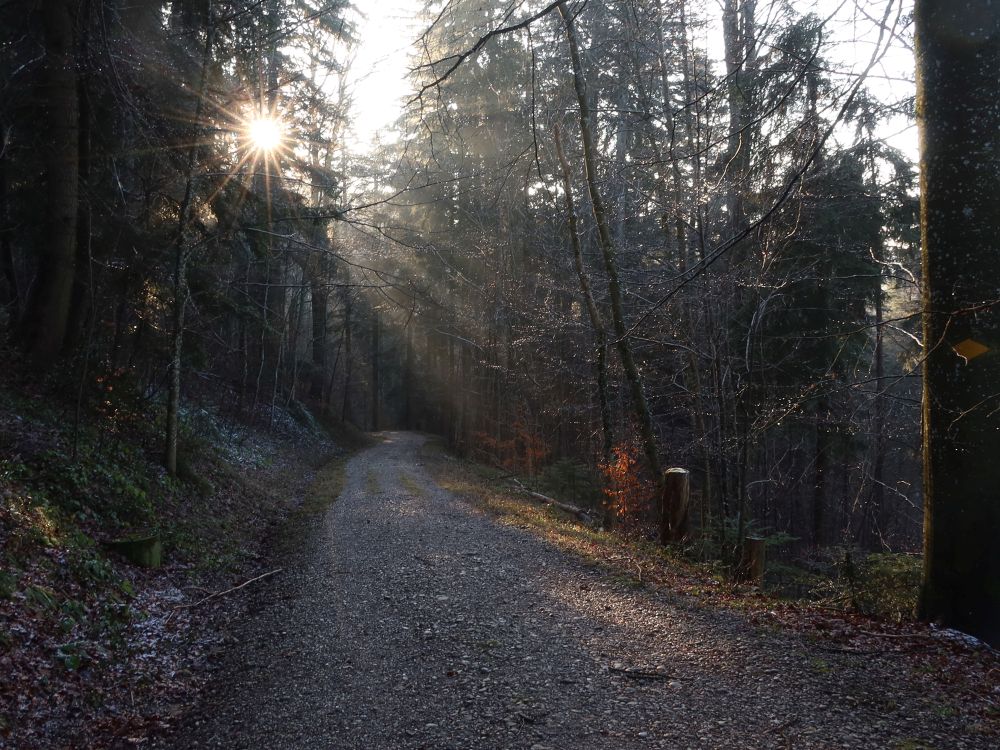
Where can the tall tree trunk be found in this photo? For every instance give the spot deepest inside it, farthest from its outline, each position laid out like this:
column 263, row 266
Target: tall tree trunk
column 318, row 298
column 820, row 466
column 9, row 291
column 958, row 56
column 596, row 323
column 82, row 294
column 181, row 255
column 737, row 20
column 608, row 253
column 409, row 412
column 376, row 356
column 877, row 516
column 345, row 409
column 43, row 326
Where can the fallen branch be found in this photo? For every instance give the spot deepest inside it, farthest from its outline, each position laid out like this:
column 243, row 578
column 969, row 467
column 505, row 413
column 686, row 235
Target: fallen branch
column 579, row 513
column 217, row 594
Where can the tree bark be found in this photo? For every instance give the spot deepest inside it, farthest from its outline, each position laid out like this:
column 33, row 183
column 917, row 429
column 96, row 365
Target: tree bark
column 9, row 290
column 181, row 255
column 737, row 25
column 318, row 299
column 376, row 354
column 345, row 409
column 958, row 55
column 608, row 253
column 596, row 321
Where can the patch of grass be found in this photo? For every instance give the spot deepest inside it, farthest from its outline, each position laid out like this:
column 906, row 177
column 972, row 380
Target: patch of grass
column 8, row 584
column 411, row 486
column 908, row 744
column 820, row 666
column 371, row 483
column 434, row 447
column 615, row 555
column 946, row 712
column 573, row 481
column 40, row 597
column 322, row 493
column 887, row 585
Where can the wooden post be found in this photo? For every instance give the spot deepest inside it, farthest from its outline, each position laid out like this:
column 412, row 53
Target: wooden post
column 752, row 563
column 674, row 505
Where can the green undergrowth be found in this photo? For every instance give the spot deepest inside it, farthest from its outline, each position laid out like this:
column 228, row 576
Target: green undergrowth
column 68, row 486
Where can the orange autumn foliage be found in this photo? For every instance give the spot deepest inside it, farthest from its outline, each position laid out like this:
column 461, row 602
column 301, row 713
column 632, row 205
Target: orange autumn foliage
column 629, row 493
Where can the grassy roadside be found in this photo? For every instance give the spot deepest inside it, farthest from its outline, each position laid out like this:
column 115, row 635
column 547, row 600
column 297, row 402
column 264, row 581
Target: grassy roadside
column 630, row 558
column 320, row 495
column 632, row 562
column 956, row 669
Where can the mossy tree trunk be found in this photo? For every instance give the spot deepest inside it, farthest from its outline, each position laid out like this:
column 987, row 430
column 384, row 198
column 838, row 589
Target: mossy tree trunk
column 958, row 56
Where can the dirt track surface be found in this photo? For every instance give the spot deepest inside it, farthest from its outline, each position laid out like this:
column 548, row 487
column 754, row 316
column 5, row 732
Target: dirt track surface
column 413, row 620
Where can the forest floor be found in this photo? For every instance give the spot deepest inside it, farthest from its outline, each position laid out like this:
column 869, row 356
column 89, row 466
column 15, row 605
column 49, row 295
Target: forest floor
column 415, row 616
column 96, row 652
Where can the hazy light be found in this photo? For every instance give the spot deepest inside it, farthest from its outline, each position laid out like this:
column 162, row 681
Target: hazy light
column 265, row 133
column 378, row 75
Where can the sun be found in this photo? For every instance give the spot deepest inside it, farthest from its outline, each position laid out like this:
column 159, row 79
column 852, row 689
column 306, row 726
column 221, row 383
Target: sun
column 265, row 133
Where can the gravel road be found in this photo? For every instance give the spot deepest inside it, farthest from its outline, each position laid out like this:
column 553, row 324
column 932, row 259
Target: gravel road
column 412, row 620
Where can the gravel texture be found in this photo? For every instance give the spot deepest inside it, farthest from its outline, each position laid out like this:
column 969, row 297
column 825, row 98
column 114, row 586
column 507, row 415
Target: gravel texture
column 412, row 620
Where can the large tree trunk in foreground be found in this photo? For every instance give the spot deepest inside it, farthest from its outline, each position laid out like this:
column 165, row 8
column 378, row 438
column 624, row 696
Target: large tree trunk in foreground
column 43, row 326
column 958, row 56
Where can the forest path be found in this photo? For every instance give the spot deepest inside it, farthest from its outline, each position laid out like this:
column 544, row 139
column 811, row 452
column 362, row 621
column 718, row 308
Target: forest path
column 414, row 620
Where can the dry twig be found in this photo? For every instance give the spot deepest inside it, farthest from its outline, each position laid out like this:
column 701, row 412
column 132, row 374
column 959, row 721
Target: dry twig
column 217, row 594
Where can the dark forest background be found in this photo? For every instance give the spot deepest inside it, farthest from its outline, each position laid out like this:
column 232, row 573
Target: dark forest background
column 592, row 253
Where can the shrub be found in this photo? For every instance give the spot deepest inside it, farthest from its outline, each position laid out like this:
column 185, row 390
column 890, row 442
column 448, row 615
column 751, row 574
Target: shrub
column 884, row 584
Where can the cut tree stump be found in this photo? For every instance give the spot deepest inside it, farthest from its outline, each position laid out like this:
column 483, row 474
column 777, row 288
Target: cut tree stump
column 752, row 563
column 674, row 505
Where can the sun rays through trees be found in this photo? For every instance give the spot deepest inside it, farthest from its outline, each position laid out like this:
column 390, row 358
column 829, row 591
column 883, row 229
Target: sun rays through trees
column 688, row 228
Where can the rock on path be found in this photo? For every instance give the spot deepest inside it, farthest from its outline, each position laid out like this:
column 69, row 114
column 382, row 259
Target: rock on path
column 412, row 620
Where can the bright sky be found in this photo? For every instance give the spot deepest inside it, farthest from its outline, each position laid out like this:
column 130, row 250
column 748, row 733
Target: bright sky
column 378, row 75
column 380, row 86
